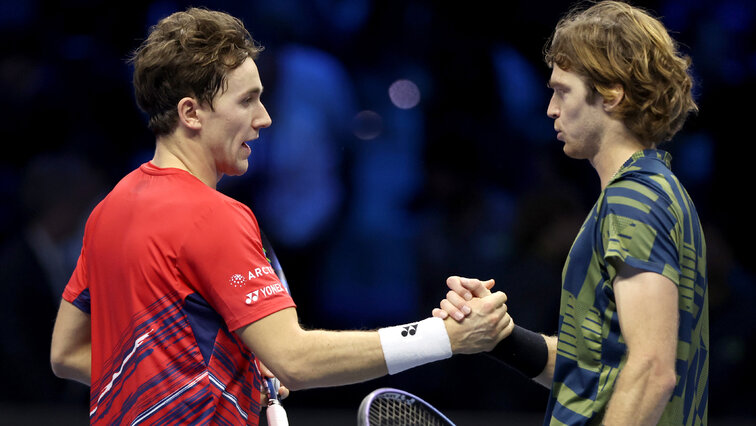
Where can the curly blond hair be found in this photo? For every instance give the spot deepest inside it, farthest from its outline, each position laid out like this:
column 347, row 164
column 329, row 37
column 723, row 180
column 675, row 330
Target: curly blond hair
column 612, row 43
column 188, row 53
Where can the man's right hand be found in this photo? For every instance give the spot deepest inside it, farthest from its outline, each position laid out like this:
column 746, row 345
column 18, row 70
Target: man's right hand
column 461, row 291
column 486, row 325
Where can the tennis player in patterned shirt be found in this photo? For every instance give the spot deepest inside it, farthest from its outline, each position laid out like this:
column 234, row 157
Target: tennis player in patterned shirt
column 633, row 336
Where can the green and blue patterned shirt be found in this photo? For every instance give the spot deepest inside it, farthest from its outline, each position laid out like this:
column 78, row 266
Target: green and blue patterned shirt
column 645, row 219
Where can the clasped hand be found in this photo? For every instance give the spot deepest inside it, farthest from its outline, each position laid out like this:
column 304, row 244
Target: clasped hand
column 475, row 318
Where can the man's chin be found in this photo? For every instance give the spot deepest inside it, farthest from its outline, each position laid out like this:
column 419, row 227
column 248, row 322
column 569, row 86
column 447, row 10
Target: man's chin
column 238, row 170
column 570, row 151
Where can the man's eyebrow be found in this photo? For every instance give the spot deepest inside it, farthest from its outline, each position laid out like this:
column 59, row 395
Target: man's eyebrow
column 254, row 91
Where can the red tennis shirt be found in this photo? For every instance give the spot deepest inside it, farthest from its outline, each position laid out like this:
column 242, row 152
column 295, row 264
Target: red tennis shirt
column 169, row 268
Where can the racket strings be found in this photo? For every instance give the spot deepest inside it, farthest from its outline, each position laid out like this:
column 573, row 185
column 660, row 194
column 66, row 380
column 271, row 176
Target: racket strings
column 397, row 412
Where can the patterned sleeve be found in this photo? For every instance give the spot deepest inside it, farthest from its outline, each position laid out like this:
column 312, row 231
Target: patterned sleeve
column 639, row 228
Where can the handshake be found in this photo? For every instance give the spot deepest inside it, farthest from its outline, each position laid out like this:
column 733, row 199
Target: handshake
column 475, row 319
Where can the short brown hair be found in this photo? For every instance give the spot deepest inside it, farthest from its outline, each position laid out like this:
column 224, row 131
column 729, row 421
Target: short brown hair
column 187, row 54
column 612, row 43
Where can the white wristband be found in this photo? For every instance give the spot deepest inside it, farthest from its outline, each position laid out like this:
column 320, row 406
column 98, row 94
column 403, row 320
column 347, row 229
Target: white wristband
column 410, row 345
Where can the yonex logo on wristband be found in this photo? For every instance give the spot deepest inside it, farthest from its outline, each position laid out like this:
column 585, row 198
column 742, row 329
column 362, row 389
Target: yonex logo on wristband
column 410, row 330
column 403, row 347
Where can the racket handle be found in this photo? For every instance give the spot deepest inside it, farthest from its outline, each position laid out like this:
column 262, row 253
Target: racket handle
column 276, row 414
column 273, row 385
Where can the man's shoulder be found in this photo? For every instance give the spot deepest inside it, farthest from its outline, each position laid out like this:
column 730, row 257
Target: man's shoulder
column 171, row 187
column 646, row 180
column 169, row 201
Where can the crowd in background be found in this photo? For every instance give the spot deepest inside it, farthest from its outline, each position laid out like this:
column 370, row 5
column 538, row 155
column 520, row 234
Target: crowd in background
column 409, row 142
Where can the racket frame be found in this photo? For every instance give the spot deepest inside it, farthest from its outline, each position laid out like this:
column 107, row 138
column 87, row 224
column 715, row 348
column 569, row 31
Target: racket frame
column 363, row 413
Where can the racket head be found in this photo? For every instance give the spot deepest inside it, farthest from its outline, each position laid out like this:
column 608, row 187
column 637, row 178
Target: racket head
column 394, row 407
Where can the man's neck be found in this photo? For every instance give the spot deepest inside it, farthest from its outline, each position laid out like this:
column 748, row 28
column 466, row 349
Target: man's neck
column 174, row 151
column 614, row 153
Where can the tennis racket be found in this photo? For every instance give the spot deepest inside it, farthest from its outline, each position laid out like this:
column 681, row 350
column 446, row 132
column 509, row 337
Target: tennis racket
column 393, row 407
column 275, row 412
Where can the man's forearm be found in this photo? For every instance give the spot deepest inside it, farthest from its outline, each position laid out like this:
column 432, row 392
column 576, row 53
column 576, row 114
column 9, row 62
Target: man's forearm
column 547, row 376
column 329, row 358
column 322, row 358
column 317, row 358
column 641, row 394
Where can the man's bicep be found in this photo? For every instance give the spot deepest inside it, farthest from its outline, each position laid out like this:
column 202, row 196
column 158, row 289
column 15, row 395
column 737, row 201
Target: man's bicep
column 647, row 306
column 72, row 326
column 270, row 338
column 71, row 347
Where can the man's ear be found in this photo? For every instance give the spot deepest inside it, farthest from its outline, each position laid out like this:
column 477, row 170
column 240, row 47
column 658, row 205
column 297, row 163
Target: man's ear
column 188, row 113
column 616, row 94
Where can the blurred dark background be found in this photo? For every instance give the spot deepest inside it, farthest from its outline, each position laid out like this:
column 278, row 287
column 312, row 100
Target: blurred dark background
column 409, row 142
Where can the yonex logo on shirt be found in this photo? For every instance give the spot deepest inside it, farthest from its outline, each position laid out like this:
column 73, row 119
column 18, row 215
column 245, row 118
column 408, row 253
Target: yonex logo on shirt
column 266, row 291
column 251, row 297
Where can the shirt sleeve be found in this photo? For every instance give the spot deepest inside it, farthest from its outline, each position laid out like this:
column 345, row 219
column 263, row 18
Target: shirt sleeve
column 77, row 289
column 639, row 228
column 224, row 261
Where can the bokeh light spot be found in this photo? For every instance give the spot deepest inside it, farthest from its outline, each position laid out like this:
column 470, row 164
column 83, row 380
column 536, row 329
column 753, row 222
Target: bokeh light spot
column 404, row 94
column 368, row 125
